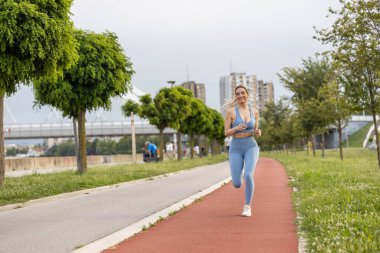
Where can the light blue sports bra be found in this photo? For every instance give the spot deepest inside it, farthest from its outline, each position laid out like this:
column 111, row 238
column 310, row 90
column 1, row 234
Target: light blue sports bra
column 239, row 120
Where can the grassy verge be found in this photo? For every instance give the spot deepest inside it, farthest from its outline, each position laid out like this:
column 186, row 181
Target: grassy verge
column 21, row 189
column 356, row 140
column 339, row 201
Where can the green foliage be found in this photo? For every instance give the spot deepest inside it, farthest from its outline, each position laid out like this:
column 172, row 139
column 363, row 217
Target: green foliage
column 306, row 83
column 130, row 107
column 98, row 146
column 21, row 189
column 102, row 72
column 216, row 128
column 278, row 126
column 355, row 37
column 106, row 147
column 36, row 40
column 173, row 105
column 124, row 145
column 198, row 121
column 14, row 151
column 66, row 148
column 334, row 103
column 339, row 201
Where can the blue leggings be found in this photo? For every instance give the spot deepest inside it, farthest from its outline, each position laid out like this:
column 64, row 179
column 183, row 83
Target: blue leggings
column 244, row 153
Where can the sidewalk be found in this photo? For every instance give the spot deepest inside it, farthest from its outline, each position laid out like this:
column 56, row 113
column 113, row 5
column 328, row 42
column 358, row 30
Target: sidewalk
column 214, row 224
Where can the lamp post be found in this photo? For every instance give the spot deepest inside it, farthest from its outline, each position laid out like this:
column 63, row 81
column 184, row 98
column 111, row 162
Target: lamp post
column 176, row 137
column 171, row 82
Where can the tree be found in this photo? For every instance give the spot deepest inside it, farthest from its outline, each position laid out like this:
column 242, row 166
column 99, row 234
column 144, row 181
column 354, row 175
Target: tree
column 196, row 122
column 106, row 147
column 215, row 131
column 123, row 146
column 355, row 36
column 337, row 107
column 36, row 41
column 182, row 98
column 305, row 83
column 276, row 123
column 169, row 108
column 103, row 71
column 129, row 109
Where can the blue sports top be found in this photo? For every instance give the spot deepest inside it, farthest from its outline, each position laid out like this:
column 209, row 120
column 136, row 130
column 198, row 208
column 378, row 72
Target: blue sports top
column 239, row 120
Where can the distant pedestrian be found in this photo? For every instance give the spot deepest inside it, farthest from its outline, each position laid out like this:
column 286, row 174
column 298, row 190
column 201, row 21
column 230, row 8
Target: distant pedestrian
column 151, row 151
column 169, row 150
column 227, row 142
column 242, row 123
column 196, row 150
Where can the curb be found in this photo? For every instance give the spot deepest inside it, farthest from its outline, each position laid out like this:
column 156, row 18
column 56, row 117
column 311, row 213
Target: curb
column 131, row 230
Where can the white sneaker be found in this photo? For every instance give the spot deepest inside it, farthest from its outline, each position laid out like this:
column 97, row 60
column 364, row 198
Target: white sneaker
column 246, row 211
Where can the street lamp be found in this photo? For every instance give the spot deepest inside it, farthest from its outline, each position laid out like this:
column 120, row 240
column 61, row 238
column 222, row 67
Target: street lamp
column 171, row 83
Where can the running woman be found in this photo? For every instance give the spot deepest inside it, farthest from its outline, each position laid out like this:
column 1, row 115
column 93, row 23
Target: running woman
column 242, row 123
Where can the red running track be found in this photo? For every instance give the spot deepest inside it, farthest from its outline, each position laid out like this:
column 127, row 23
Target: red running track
column 214, row 224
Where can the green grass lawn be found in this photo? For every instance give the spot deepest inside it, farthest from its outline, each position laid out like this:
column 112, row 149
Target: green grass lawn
column 21, row 189
column 338, row 201
column 356, row 140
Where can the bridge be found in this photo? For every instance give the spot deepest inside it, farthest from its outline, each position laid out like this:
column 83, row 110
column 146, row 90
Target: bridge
column 66, row 130
column 23, row 121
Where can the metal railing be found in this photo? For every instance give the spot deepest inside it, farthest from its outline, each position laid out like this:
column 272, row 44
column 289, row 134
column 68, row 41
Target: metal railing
column 65, row 129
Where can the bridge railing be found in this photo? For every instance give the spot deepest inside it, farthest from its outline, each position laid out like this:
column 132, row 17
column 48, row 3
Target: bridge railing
column 65, row 129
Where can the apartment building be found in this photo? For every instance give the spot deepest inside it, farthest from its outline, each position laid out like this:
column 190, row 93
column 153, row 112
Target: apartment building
column 260, row 93
column 198, row 89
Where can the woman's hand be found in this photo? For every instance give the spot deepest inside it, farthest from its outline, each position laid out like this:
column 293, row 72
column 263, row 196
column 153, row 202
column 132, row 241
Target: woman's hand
column 257, row 132
column 240, row 127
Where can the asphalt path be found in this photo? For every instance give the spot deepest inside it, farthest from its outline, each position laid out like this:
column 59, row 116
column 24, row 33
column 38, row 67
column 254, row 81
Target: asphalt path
column 65, row 224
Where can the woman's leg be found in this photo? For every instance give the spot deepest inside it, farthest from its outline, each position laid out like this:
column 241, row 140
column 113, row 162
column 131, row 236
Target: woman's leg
column 251, row 157
column 236, row 167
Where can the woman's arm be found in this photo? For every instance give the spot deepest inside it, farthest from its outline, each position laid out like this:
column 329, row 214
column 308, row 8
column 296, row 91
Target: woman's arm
column 228, row 131
column 256, row 119
column 257, row 130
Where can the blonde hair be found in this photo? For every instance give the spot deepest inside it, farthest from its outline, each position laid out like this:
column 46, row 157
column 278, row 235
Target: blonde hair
column 231, row 103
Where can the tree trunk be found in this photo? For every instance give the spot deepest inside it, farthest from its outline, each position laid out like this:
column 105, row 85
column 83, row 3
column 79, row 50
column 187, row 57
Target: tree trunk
column 309, row 145
column 376, row 137
column 192, row 146
column 2, row 154
column 373, row 110
column 82, row 142
column 323, row 145
column 75, row 126
column 179, row 145
column 133, row 138
column 312, row 145
column 161, row 144
column 340, row 139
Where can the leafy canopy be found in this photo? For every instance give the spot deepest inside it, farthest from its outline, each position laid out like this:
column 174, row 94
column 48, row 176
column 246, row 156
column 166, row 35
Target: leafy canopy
column 102, row 71
column 36, row 40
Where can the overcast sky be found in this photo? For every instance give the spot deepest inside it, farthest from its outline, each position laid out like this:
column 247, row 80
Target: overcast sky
column 167, row 39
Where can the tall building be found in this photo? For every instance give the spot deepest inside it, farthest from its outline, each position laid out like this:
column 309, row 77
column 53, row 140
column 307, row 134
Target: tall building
column 228, row 84
column 265, row 94
column 259, row 94
column 198, row 89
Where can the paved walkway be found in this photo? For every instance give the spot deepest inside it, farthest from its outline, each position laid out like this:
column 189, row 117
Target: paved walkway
column 214, row 224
